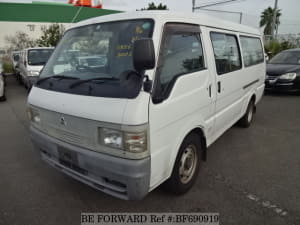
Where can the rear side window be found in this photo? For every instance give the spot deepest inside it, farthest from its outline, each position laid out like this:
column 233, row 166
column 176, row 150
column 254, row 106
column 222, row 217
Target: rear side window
column 227, row 52
column 252, row 50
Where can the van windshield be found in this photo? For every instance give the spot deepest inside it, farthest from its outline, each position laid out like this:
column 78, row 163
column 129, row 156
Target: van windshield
column 38, row 57
column 102, row 50
column 288, row 57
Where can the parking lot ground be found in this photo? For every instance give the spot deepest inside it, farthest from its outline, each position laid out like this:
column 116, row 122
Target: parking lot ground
column 252, row 175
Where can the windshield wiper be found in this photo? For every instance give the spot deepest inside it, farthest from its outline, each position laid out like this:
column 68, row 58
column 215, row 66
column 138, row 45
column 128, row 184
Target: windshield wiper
column 76, row 83
column 56, row 76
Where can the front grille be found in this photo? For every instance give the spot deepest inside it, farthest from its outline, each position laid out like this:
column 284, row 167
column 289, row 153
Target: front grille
column 66, row 136
column 270, row 77
column 76, row 131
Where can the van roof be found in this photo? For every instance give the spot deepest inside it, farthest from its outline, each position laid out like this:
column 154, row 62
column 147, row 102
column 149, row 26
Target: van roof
column 160, row 15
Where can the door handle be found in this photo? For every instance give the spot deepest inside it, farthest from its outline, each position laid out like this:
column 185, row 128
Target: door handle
column 219, row 86
column 209, row 90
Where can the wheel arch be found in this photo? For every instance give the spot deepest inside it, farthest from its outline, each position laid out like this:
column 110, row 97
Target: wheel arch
column 199, row 131
column 253, row 98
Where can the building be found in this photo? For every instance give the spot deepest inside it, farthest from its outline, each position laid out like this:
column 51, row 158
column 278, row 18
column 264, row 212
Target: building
column 29, row 18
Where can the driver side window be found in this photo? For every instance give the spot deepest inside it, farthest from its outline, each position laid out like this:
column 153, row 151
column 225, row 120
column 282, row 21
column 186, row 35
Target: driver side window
column 181, row 53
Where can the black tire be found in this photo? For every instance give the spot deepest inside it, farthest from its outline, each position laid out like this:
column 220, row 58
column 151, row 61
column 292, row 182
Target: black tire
column 3, row 98
column 29, row 89
column 25, row 85
column 19, row 78
column 247, row 119
column 4, row 77
column 178, row 184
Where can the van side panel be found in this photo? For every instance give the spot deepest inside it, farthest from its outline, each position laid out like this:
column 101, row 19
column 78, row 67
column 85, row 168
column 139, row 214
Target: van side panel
column 188, row 105
column 236, row 89
column 229, row 96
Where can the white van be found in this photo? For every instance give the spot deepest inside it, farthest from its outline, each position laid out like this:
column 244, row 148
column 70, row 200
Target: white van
column 14, row 57
column 171, row 84
column 31, row 63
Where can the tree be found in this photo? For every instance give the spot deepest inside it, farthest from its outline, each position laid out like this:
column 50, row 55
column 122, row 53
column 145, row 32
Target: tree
column 19, row 41
column 51, row 35
column 152, row 6
column 266, row 19
column 274, row 47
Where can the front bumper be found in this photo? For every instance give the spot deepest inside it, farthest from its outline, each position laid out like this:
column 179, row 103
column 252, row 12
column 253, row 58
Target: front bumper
column 119, row 177
column 279, row 85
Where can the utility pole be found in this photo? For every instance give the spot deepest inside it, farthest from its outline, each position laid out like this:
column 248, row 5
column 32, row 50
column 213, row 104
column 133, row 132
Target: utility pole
column 215, row 3
column 224, row 11
column 274, row 20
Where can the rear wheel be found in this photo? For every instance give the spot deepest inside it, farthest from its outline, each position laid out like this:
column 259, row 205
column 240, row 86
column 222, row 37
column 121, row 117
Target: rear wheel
column 186, row 166
column 247, row 119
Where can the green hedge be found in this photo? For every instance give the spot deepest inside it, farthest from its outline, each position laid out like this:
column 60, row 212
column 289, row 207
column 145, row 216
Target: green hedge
column 274, row 47
column 7, row 67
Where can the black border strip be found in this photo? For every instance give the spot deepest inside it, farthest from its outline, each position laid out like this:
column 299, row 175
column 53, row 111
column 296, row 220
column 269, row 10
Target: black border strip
column 250, row 84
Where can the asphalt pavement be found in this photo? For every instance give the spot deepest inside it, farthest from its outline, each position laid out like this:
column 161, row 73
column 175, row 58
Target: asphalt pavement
column 252, row 175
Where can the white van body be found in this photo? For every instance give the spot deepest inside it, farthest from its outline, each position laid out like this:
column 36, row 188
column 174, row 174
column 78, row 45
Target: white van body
column 30, row 71
column 201, row 102
column 14, row 56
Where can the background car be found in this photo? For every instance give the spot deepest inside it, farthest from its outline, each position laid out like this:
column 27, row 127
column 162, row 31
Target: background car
column 2, row 84
column 15, row 56
column 31, row 62
column 283, row 71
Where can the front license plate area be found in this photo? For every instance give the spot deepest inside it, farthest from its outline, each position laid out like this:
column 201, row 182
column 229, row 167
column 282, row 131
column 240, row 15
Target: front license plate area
column 67, row 156
column 70, row 159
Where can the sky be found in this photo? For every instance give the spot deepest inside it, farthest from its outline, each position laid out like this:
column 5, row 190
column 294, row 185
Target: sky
column 251, row 10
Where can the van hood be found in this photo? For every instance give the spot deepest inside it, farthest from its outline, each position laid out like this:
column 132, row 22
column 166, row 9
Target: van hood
column 111, row 110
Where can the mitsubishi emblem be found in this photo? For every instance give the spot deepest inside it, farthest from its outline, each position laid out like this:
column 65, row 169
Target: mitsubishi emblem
column 63, row 121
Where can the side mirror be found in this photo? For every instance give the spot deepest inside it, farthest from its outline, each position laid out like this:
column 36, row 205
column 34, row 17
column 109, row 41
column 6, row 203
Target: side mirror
column 266, row 57
column 143, row 54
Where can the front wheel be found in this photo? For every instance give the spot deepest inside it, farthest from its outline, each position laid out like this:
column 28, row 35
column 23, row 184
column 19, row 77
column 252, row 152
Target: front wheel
column 186, row 166
column 247, row 119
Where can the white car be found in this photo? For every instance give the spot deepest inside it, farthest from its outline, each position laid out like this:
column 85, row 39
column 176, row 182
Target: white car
column 32, row 62
column 2, row 84
column 170, row 86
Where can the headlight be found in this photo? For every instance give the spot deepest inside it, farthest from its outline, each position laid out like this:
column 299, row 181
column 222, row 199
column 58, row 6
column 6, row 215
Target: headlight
column 288, row 76
column 33, row 115
column 33, row 73
column 135, row 142
column 112, row 138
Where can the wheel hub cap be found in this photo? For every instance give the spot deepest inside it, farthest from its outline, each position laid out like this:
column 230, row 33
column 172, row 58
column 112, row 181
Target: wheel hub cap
column 188, row 164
